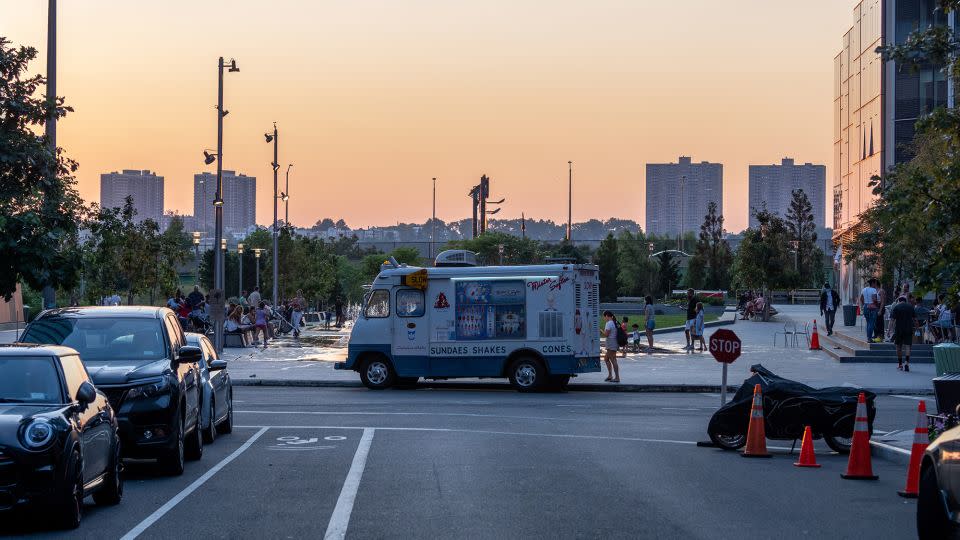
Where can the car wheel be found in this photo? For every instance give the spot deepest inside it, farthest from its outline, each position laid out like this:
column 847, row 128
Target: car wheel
column 932, row 519
column 172, row 461
column 377, row 373
column 226, row 426
column 112, row 490
column 70, row 506
column 527, row 374
column 193, row 449
column 210, row 432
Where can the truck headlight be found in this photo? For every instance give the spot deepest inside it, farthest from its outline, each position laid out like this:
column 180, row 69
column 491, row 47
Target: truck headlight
column 149, row 388
column 39, row 433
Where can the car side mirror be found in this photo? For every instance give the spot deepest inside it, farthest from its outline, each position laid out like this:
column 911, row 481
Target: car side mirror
column 190, row 354
column 86, row 394
column 217, row 365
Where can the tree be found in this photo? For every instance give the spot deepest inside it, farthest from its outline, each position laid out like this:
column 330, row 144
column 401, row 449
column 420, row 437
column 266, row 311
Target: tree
column 710, row 265
column 636, row 267
column 606, row 259
column 763, row 260
column 516, row 250
column 668, row 272
column 39, row 206
column 803, row 231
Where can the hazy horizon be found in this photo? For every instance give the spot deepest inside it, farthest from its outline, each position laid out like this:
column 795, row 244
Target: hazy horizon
column 374, row 99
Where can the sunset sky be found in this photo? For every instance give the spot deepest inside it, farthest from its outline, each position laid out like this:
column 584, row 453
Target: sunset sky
column 373, row 98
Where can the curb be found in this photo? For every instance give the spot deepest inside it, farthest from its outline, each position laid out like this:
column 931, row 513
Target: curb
column 890, row 453
column 577, row 387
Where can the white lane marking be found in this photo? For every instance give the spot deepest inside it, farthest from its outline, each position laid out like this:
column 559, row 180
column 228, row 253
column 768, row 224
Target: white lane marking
column 565, row 405
column 360, row 413
column 709, row 395
column 160, row 512
column 679, row 408
column 917, row 398
column 337, row 528
column 891, row 448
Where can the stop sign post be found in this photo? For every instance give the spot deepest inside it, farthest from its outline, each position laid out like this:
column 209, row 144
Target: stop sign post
column 725, row 347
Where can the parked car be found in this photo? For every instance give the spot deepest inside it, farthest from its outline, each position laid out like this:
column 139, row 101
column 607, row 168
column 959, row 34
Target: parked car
column 59, row 437
column 139, row 358
column 216, row 399
column 938, row 506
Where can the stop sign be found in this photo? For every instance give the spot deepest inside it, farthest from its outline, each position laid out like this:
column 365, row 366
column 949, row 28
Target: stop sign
column 725, row 346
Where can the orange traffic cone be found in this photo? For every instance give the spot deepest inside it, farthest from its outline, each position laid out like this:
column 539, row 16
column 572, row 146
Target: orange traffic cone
column 815, row 338
column 920, row 441
column 756, row 432
column 859, row 466
column 807, row 457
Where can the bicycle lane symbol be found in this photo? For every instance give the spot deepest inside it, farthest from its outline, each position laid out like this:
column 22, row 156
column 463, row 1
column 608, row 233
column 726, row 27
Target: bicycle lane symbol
column 293, row 442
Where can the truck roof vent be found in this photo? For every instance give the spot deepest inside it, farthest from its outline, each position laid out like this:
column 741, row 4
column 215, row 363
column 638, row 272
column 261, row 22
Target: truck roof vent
column 455, row 257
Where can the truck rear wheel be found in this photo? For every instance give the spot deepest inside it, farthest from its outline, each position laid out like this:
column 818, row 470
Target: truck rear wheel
column 527, row 374
column 377, row 373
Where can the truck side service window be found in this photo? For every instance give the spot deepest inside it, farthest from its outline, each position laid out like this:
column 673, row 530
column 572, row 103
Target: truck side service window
column 410, row 303
column 379, row 304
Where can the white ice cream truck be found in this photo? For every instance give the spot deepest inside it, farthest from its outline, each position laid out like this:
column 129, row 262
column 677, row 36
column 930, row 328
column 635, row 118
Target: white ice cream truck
column 536, row 325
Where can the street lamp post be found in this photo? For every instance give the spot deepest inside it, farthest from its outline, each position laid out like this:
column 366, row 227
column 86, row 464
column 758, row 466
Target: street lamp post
column 223, row 267
column 570, row 202
column 218, row 202
column 49, row 294
column 256, row 258
column 433, row 224
column 275, row 139
column 196, row 248
column 240, row 280
column 650, row 260
column 286, row 201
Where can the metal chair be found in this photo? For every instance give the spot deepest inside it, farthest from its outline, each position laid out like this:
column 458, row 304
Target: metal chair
column 786, row 332
column 805, row 333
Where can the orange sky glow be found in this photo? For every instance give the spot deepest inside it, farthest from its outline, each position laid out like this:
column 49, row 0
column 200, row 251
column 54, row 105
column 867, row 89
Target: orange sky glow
column 374, row 98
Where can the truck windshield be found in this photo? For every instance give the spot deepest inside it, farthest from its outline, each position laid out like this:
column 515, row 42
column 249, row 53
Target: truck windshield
column 29, row 380
column 378, row 306
column 102, row 339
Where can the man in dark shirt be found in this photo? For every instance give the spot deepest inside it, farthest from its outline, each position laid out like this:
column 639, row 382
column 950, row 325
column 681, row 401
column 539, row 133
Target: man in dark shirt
column 904, row 322
column 691, row 317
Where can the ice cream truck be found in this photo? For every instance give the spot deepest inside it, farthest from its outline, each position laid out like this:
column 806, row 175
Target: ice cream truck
column 535, row 325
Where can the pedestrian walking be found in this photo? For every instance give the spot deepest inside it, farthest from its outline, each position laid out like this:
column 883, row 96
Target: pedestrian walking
column 261, row 322
column 254, row 298
column 829, row 300
column 296, row 312
column 691, row 318
column 879, row 330
column 338, row 306
column 610, row 357
column 650, row 322
column 869, row 303
column 903, row 318
column 698, row 328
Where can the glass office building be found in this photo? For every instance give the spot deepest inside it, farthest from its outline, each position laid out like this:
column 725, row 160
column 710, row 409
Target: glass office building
column 876, row 105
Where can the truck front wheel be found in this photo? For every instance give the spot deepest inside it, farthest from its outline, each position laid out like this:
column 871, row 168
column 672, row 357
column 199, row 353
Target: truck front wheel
column 527, row 374
column 377, row 373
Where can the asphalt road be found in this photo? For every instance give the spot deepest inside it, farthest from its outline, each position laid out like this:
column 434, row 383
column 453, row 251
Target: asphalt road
column 444, row 463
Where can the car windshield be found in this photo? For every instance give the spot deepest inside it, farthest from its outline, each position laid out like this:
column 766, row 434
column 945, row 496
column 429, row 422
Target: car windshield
column 102, row 339
column 29, row 380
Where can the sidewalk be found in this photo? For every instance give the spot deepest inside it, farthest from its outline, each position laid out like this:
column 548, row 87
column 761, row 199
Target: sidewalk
column 285, row 362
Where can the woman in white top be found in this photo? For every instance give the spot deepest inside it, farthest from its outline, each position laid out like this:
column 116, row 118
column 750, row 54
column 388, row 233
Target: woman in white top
column 610, row 357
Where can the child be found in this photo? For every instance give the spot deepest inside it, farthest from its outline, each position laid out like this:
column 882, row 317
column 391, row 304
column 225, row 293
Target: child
column 635, row 336
column 698, row 328
column 624, row 324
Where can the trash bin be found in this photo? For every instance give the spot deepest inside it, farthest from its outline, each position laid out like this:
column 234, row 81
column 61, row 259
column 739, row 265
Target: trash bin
column 946, row 356
column 849, row 315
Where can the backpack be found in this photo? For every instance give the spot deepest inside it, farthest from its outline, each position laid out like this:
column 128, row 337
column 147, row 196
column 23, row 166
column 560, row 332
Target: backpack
column 621, row 336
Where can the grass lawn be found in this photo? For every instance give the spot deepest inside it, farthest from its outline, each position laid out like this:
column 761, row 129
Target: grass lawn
column 665, row 321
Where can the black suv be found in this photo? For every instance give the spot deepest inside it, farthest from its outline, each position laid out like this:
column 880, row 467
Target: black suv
column 58, row 435
column 138, row 357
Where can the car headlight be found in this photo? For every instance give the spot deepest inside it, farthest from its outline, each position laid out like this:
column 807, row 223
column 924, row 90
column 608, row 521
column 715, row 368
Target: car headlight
column 39, row 433
column 153, row 387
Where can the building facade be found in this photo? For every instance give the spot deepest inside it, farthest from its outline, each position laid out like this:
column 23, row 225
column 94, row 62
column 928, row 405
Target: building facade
column 678, row 195
column 145, row 187
column 876, row 105
column 772, row 186
column 239, row 202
